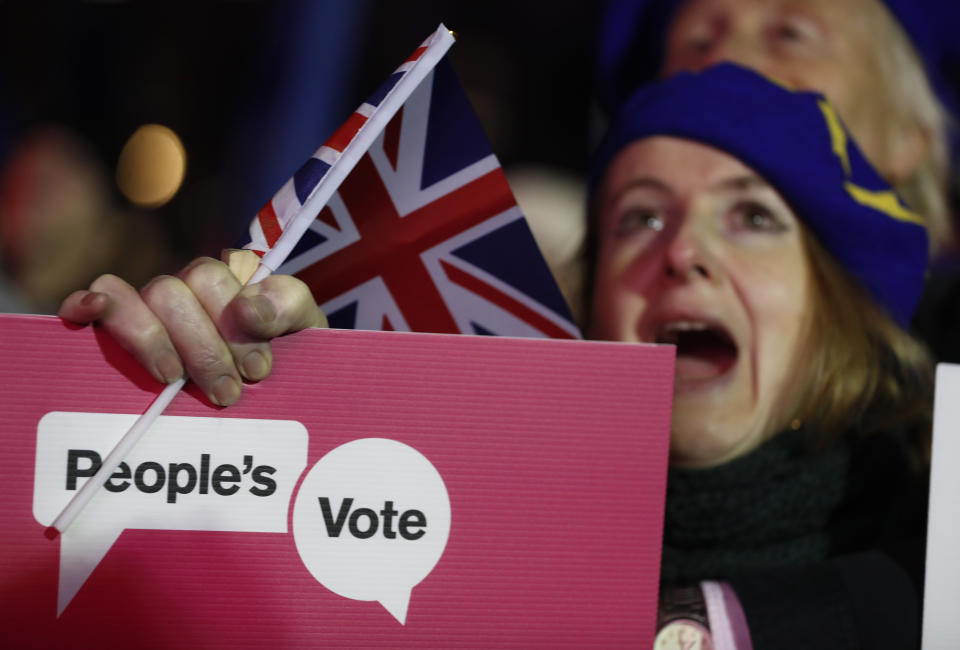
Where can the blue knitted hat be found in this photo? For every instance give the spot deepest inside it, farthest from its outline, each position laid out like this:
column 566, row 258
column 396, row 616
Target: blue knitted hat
column 632, row 34
column 796, row 142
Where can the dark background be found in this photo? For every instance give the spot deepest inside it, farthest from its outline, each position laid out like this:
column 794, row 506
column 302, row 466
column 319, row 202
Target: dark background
column 253, row 88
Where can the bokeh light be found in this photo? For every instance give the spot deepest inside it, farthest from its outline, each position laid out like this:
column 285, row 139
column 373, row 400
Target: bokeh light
column 152, row 165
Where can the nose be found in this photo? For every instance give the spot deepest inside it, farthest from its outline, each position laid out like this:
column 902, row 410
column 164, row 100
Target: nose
column 687, row 255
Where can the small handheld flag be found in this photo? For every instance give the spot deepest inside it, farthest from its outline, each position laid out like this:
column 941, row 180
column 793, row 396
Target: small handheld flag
column 423, row 234
column 278, row 227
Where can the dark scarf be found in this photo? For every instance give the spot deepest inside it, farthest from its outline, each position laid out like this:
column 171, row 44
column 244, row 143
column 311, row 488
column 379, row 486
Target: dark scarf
column 782, row 504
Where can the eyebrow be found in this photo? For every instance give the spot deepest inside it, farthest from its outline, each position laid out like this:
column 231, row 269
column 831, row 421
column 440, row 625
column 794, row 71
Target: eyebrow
column 741, row 183
column 641, row 182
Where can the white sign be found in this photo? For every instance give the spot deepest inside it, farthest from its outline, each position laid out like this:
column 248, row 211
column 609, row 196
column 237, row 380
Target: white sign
column 371, row 520
column 941, row 625
column 191, row 473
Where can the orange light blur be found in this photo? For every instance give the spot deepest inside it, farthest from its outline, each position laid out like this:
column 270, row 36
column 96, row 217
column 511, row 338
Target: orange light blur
column 152, row 165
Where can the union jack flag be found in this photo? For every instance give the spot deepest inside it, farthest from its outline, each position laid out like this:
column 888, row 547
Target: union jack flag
column 424, row 233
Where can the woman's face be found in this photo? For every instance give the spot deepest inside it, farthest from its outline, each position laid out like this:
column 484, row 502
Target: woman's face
column 695, row 249
column 821, row 45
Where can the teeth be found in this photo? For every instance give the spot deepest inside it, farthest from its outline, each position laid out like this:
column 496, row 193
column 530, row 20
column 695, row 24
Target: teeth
column 669, row 332
column 685, row 326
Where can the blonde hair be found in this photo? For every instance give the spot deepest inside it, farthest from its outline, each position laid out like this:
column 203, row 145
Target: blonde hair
column 861, row 371
column 907, row 90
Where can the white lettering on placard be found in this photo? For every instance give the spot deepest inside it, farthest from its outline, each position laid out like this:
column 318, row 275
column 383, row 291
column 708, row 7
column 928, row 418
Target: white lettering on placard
column 190, row 473
column 371, row 520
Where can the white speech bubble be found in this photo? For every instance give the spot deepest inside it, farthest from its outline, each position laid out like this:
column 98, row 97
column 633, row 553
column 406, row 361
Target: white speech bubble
column 231, row 475
column 385, row 541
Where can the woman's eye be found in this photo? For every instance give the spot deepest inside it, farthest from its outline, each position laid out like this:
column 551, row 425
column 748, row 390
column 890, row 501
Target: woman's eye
column 635, row 220
column 796, row 32
column 754, row 216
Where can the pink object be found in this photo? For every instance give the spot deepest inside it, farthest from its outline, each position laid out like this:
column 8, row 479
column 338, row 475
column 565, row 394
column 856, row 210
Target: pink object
column 728, row 623
column 553, row 454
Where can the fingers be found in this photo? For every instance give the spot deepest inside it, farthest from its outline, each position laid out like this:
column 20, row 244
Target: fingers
column 84, row 307
column 192, row 308
column 221, row 329
column 133, row 325
column 216, row 286
column 201, row 321
column 277, row 305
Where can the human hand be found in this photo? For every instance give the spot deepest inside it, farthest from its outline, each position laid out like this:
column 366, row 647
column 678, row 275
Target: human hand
column 201, row 320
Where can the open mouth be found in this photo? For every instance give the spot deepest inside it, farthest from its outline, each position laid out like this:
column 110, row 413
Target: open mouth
column 705, row 351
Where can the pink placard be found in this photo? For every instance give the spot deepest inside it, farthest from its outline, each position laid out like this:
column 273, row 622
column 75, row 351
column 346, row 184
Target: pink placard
column 276, row 523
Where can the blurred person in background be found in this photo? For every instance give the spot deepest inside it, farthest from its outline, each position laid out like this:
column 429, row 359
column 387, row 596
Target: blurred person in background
column 890, row 66
column 881, row 63
column 60, row 223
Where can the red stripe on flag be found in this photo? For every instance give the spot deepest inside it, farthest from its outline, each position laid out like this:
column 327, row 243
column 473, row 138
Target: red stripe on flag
column 382, row 231
column 339, row 140
column 416, row 54
column 326, row 216
column 269, row 224
column 391, row 138
column 385, row 236
column 390, row 246
column 505, row 302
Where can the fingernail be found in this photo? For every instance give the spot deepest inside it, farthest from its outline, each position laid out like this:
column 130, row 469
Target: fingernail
column 262, row 308
column 226, row 390
column 169, row 367
column 255, row 366
column 89, row 299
